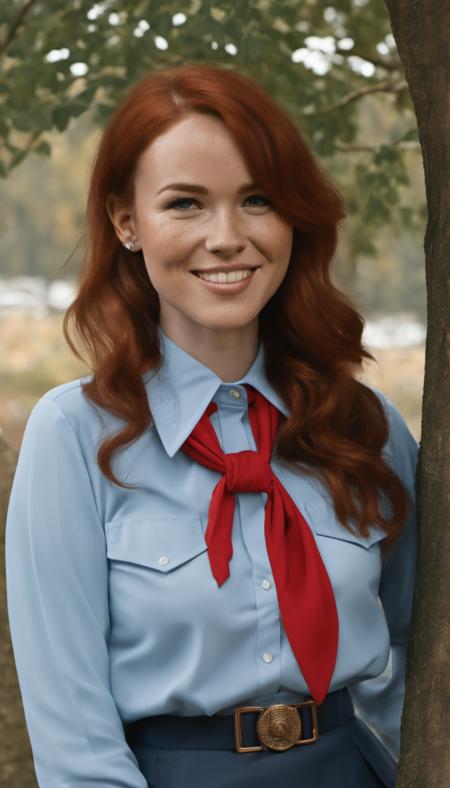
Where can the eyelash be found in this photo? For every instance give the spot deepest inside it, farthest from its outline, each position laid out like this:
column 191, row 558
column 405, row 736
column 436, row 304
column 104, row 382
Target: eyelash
column 191, row 199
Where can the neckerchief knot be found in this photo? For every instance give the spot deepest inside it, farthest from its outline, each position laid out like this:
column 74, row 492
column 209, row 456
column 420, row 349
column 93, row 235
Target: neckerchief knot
column 247, row 471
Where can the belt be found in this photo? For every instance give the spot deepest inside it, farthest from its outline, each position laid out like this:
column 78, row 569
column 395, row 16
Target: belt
column 249, row 729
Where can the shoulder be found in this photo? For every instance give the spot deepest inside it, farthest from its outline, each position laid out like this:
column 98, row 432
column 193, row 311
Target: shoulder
column 66, row 406
column 401, row 448
column 67, row 396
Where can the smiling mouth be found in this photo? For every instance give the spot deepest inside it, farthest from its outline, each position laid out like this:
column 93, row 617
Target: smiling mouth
column 225, row 277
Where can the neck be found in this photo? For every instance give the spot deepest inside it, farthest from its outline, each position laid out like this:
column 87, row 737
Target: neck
column 229, row 354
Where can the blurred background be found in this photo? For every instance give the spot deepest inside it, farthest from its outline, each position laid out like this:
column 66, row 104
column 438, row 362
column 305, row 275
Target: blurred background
column 334, row 67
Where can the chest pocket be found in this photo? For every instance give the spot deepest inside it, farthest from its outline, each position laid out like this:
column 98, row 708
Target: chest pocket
column 161, row 543
column 325, row 523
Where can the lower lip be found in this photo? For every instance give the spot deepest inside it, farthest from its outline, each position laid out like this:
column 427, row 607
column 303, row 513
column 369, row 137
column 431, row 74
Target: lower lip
column 224, row 288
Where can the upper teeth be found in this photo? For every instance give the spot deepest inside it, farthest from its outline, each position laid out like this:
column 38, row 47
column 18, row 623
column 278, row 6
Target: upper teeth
column 221, row 276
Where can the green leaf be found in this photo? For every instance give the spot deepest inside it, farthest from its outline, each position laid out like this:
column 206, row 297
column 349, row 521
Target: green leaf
column 412, row 134
column 17, row 158
column 61, row 117
column 23, row 121
column 43, row 149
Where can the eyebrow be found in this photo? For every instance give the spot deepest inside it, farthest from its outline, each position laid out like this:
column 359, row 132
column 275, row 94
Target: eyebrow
column 195, row 187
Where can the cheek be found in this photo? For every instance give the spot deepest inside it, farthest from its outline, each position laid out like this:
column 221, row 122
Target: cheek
column 165, row 273
column 286, row 241
column 279, row 239
column 159, row 232
column 163, row 249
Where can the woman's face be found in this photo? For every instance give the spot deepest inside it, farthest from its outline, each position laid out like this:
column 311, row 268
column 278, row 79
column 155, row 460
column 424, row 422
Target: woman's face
column 216, row 221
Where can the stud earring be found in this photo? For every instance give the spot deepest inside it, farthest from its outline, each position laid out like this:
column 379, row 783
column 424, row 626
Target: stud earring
column 130, row 245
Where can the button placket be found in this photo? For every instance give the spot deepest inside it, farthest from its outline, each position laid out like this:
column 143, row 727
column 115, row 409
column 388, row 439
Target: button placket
column 250, row 511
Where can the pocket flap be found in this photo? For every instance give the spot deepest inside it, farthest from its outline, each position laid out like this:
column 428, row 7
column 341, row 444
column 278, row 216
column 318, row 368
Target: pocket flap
column 325, row 523
column 161, row 543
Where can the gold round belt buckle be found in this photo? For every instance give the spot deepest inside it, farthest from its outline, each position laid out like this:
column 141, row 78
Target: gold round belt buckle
column 279, row 727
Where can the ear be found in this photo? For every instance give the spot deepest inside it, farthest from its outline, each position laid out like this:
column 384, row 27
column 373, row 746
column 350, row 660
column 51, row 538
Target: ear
column 121, row 217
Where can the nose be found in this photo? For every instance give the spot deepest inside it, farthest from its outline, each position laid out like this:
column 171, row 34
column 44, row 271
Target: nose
column 225, row 235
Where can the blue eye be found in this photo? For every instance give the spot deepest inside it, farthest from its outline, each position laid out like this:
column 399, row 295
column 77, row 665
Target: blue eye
column 259, row 197
column 176, row 203
column 180, row 200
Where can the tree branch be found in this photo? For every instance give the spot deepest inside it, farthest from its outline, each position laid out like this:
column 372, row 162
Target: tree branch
column 22, row 152
column 381, row 87
column 404, row 144
column 388, row 65
column 15, row 25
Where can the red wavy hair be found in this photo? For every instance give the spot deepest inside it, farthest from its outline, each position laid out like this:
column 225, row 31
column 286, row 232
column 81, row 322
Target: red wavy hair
column 311, row 331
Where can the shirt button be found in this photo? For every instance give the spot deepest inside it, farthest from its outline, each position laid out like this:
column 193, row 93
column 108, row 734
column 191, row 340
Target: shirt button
column 163, row 560
column 265, row 584
column 267, row 657
column 235, row 393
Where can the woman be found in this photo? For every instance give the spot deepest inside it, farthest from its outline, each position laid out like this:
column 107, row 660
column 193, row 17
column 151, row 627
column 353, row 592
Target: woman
column 181, row 539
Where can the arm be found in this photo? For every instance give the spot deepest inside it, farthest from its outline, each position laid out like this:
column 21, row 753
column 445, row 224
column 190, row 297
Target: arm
column 57, row 594
column 379, row 701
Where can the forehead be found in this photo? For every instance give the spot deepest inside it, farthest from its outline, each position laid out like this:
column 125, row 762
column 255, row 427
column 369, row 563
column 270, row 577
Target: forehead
column 198, row 147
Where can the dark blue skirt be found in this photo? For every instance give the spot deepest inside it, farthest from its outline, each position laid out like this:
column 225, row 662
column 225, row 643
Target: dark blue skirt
column 348, row 755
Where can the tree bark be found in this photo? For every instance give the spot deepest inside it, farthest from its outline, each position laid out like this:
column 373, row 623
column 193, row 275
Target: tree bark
column 16, row 761
column 420, row 28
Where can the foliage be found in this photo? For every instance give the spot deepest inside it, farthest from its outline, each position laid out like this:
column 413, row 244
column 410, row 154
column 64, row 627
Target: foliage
column 323, row 63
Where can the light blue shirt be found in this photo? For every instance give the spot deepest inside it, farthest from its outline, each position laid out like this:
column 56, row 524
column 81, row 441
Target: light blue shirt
column 113, row 610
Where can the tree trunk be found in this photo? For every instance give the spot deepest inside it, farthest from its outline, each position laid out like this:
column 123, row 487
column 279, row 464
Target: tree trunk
column 420, row 28
column 16, row 761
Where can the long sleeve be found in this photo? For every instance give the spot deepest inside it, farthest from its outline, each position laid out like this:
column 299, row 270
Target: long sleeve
column 57, row 594
column 379, row 701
